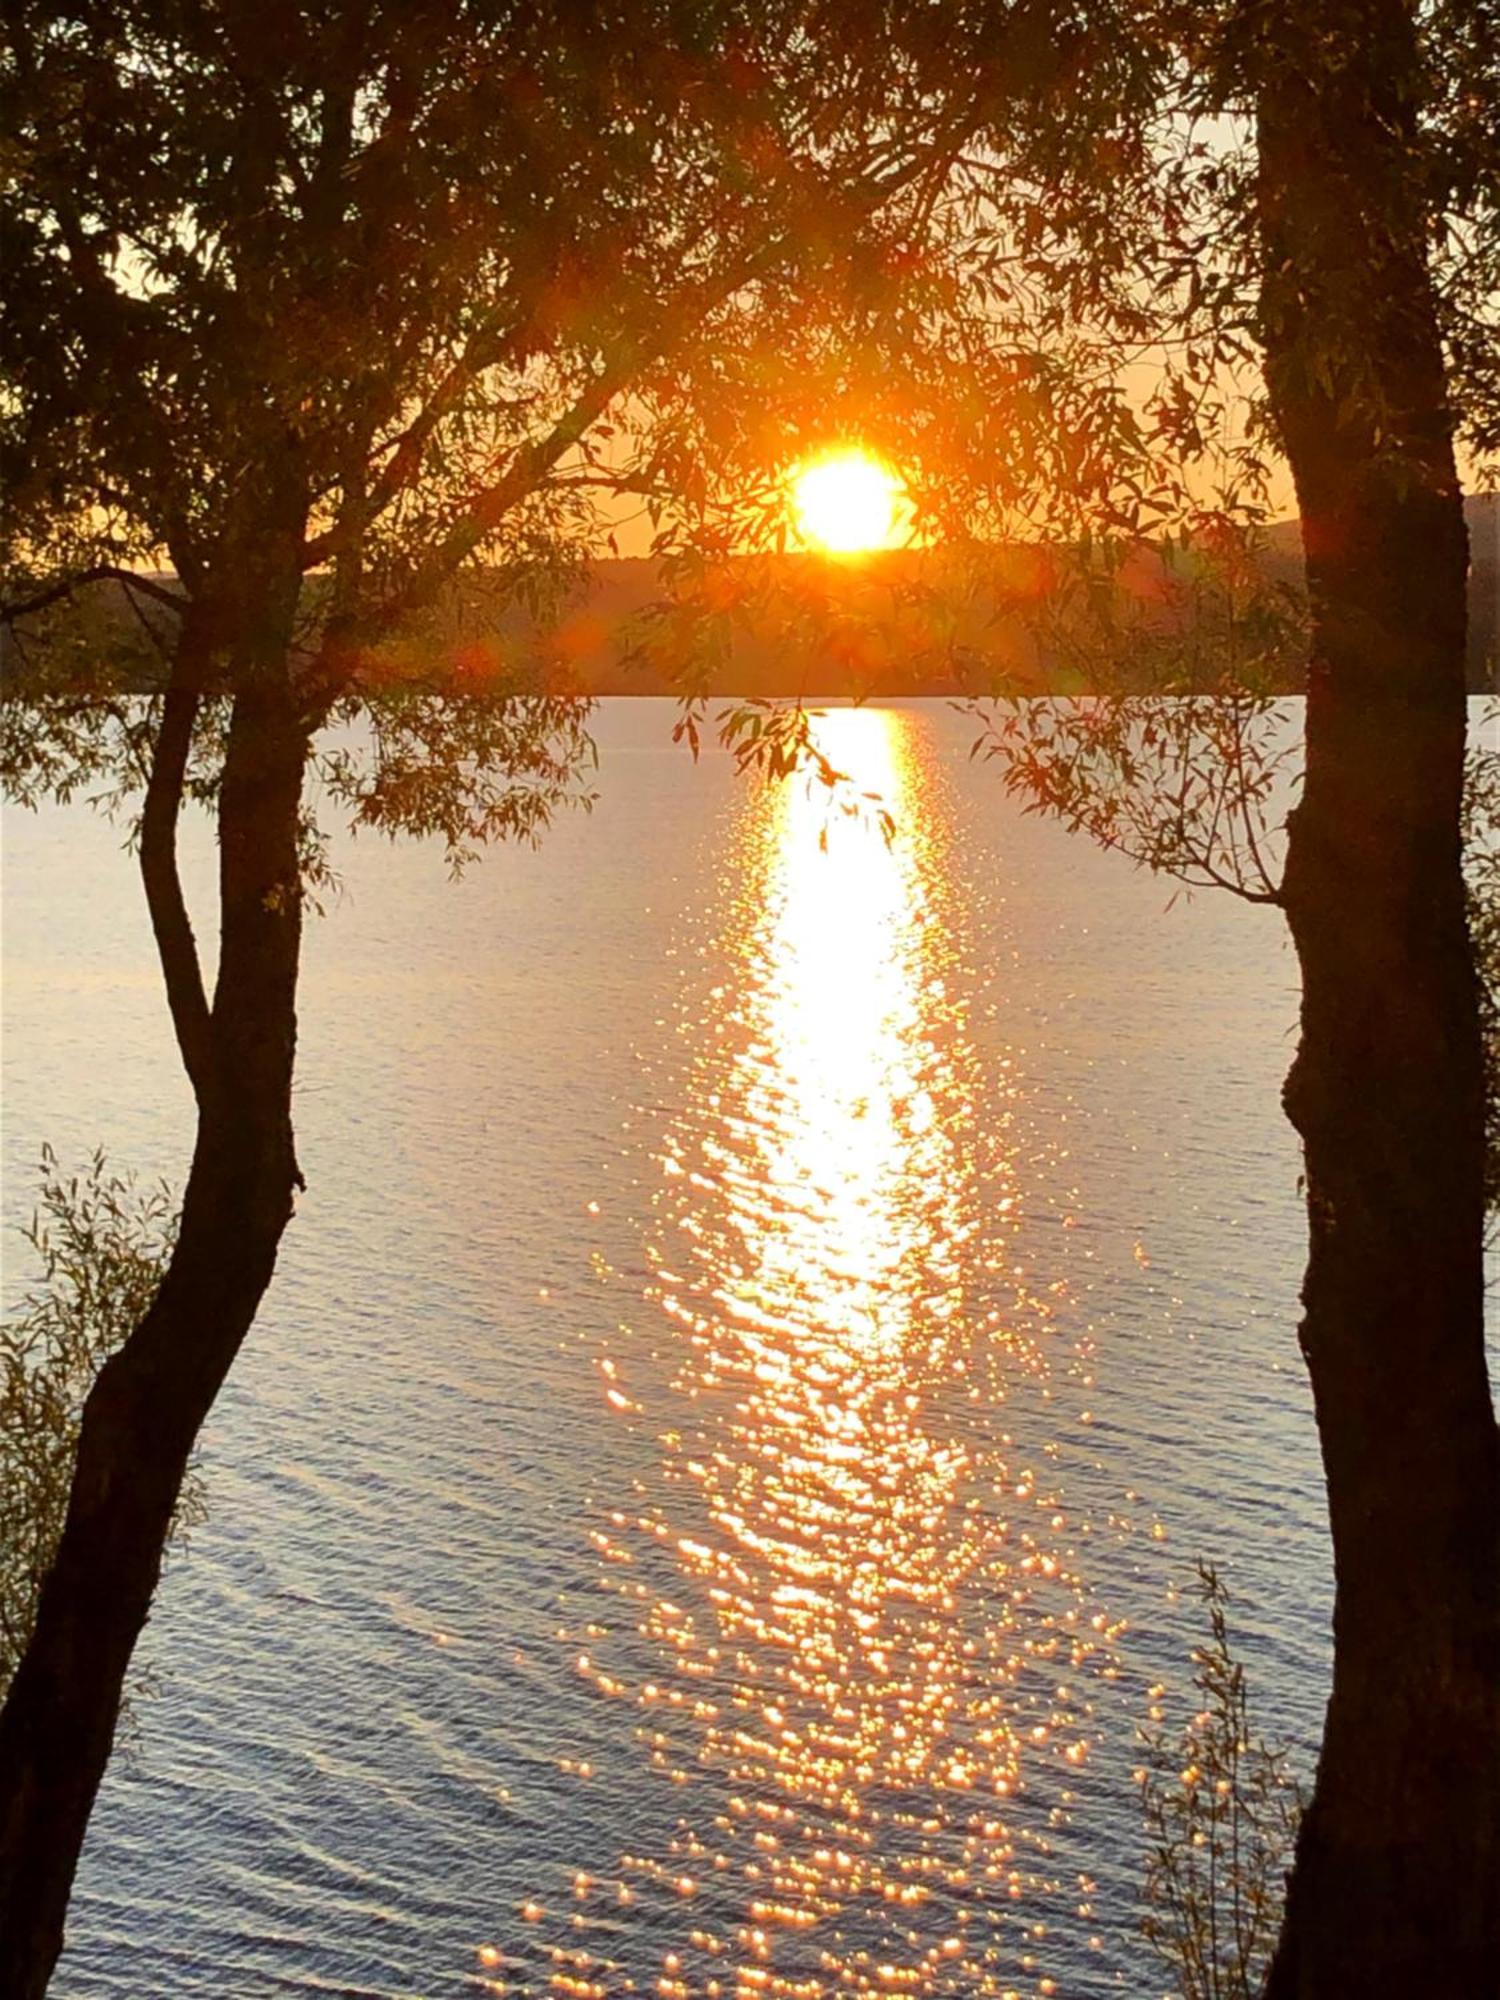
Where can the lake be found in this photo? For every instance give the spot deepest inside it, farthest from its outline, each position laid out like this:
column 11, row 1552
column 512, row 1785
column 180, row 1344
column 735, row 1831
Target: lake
column 774, row 1320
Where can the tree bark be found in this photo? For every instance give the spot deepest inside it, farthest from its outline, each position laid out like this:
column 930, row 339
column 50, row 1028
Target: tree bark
column 143, row 1416
column 1396, row 1886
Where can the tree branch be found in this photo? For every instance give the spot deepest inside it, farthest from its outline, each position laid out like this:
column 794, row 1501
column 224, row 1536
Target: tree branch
column 406, row 451
column 530, row 465
column 175, row 944
column 55, row 593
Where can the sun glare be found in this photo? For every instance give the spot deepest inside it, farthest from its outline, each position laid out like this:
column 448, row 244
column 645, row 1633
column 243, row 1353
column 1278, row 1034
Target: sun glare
column 846, row 502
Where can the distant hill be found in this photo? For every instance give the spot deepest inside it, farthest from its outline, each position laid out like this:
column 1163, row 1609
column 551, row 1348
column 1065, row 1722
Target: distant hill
column 903, row 622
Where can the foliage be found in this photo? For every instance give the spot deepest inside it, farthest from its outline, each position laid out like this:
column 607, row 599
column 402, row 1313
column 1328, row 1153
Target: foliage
column 1222, row 1812
column 777, row 740
column 1176, row 756
column 1185, row 785
column 103, row 1244
column 460, row 765
column 1094, row 264
column 394, row 324
column 333, row 330
column 1461, row 50
column 413, row 261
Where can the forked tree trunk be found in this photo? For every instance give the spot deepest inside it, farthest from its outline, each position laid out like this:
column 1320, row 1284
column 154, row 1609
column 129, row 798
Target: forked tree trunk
column 1396, row 1887
column 144, row 1414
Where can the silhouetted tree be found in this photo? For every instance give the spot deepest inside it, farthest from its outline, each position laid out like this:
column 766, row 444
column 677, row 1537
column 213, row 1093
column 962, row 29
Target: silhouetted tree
column 326, row 303
column 325, row 306
column 1397, row 1879
column 1355, row 249
column 1301, row 206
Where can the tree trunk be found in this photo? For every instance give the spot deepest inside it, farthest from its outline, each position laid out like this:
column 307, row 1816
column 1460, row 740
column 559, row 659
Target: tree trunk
column 143, row 1417
column 1396, row 1887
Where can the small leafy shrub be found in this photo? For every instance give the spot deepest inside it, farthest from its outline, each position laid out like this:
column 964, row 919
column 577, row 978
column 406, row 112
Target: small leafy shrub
column 1222, row 1811
column 103, row 1244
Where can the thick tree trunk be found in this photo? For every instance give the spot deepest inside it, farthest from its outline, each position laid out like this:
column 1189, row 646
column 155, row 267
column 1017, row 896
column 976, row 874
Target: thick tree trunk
column 1396, row 1888
column 145, row 1412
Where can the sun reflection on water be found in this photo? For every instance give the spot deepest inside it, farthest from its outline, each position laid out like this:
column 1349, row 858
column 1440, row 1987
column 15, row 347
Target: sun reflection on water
column 872, row 1644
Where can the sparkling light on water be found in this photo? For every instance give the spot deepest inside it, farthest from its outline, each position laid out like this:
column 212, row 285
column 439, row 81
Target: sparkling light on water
column 874, row 1641
column 760, row 1320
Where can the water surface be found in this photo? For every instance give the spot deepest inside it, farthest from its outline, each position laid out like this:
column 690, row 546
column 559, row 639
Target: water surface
column 774, row 1319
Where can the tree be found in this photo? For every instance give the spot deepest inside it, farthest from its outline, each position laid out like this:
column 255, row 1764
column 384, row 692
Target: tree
column 1364, row 225
column 349, row 313
column 326, row 332
column 1397, row 1881
column 1312, row 193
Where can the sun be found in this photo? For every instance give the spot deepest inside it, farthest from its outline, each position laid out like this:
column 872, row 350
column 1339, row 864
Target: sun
column 846, row 501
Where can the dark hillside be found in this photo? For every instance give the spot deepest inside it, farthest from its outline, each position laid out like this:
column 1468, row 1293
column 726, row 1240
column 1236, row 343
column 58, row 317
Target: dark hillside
column 907, row 622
